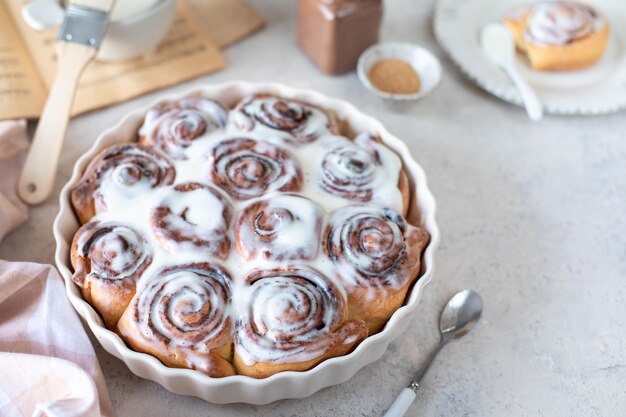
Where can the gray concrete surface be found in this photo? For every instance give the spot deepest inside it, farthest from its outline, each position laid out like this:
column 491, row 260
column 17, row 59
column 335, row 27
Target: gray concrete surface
column 532, row 216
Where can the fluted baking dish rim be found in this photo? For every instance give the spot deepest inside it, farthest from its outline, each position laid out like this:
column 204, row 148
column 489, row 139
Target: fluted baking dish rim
column 242, row 388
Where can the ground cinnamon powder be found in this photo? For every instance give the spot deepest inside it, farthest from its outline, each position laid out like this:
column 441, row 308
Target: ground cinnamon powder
column 394, row 76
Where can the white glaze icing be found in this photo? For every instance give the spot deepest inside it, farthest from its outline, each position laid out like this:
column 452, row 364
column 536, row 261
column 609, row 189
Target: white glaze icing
column 288, row 317
column 174, row 126
column 194, row 164
column 562, row 22
column 280, row 227
column 278, row 119
column 186, row 307
column 115, row 251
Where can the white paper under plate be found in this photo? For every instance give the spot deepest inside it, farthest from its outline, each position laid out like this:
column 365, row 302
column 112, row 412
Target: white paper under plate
column 598, row 89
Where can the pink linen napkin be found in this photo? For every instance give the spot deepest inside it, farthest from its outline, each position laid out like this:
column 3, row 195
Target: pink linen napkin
column 47, row 364
column 13, row 147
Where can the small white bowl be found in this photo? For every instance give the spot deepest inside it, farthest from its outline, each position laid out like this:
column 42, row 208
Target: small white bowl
column 423, row 62
column 128, row 36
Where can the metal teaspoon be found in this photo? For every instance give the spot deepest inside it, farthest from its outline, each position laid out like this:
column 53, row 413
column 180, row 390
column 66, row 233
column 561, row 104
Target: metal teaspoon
column 457, row 319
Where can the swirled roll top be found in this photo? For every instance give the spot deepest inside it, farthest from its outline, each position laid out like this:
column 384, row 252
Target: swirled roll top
column 293, row 120
column 108, row 259
column 246, row 168
column 560, row 23
column 281, row 227
column 181, row 316
column 293, row 318
column 196, row 214
column 172, row 127
column 119, row 174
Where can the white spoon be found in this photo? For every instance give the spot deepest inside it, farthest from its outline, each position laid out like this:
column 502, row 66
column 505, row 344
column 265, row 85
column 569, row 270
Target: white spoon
column 499, row 47
column 457, row 319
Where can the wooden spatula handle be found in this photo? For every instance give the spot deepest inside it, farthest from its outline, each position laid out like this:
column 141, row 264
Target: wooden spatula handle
column 40, row 168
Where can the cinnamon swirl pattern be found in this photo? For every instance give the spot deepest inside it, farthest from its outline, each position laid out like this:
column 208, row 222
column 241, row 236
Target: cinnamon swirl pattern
column 245, row 168
column 559, row 35
column 193, row 213
column 560, row 23
column 118, row 174
column 356, row 170
column 108, row 259
column 172, row 127
column 278, row 228
column 292, row 120
column 182, row 318
column 293, row 319
column 377, row 256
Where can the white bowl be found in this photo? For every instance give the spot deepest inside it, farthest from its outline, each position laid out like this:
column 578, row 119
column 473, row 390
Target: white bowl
column 242, row 388
column 127, row 37
column 423, row 62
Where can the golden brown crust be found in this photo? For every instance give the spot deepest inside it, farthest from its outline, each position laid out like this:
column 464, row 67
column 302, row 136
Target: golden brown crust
column 376, row 305
column 355, row 328
column 107, row 289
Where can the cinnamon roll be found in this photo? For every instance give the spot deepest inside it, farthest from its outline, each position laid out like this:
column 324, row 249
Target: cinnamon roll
column 364, row 171
column 295, row 121
column 193, row 214
column 376, row 254
column 245, row 168
column 181, row 316
column 172, row 127
column 559, row 35
column 292, row 319
column 116, row 175
column 108, row 259
column 278, row 228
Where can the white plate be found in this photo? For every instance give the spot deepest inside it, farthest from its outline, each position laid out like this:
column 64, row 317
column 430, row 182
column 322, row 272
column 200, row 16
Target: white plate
column 598, row 89
column 241, row 388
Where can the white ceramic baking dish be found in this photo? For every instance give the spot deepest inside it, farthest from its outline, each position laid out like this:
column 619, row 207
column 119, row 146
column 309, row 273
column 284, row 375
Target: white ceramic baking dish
column 284, row 384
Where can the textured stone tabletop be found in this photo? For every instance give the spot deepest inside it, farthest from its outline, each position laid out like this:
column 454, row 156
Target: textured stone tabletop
column 532, row 216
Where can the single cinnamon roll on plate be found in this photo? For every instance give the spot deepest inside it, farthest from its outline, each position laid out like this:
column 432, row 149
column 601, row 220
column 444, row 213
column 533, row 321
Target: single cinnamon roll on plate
column 108, row 259
column 181, row 316
column 245, row 168
column 196, row 214
column 278, row 228
column 363, row 171
column 293, row 318
column 294, row 121
column 559, row 35
column 172, row 127
column 118, row 174
column 376, row 254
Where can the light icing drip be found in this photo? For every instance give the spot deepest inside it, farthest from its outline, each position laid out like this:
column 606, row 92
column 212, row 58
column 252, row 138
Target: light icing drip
column 115, row 251
column 290, row 316
column 193, row 213
column 367, row 245
column 246, row 168
column 280, row 227
column 355, row 170
column 290, row 120
column 172, row 127
column 561, row 22
column 185, row 305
